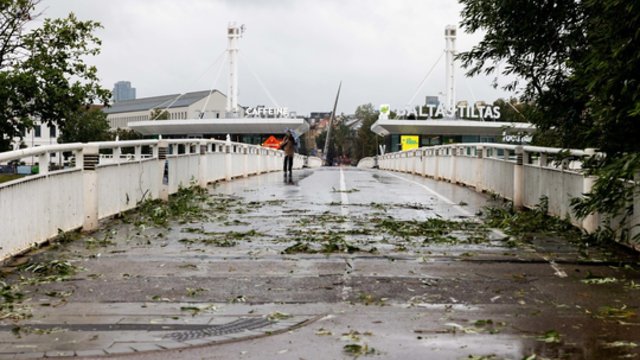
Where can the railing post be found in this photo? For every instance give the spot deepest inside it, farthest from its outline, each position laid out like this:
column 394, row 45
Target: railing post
column 138, row 153
column 202, row 165
column 479, row 169
column 154, row 151
column 518, row 178
column 90, row 158
column 117, row 151
column 454, row 155
column 542, row 160
column 436, row 170
column 163, row 148
column 79, row 159
column 43, row 163
column 227, row 160
column 260, row 152
column 414, row 168
column 592, row 221
column 245, row 158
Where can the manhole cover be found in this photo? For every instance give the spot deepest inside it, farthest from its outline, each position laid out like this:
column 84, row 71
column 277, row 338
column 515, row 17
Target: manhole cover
column 223, row 329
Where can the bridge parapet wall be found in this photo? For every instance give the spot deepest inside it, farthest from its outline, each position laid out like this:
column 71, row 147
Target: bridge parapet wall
column 522, row 174
column 102, row 179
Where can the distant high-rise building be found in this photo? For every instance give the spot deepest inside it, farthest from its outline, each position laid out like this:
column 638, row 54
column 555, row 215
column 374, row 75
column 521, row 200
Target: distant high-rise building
column 122, row 91
column 432, row 100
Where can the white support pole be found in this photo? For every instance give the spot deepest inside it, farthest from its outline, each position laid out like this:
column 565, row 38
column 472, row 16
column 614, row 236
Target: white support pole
column 234, row 33
column 450, row 50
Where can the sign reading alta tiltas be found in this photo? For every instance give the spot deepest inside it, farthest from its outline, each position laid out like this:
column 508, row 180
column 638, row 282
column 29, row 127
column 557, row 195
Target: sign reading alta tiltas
column 437, row 111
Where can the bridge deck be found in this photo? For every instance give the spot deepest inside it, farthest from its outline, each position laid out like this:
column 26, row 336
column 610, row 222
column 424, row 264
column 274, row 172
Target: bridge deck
column 315, row 267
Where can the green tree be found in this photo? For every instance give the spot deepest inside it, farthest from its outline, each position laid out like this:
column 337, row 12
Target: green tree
column 125, row 134
column 302, row 145
column 331, row 151
column 157, row 114
column 580, row 65
column 320, row 139
column 43, row 74
column 610, row 74
column 366, row 140
column 538, row 52
column 343, row 139
column 85, row 126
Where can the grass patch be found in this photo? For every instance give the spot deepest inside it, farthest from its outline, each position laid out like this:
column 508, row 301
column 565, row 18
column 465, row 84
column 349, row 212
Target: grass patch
column 9, row 177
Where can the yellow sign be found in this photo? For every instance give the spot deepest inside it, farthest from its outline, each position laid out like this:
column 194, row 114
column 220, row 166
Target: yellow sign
column 409, row 142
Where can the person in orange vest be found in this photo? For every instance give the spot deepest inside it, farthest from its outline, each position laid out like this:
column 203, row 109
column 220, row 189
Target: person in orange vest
column 288, row 144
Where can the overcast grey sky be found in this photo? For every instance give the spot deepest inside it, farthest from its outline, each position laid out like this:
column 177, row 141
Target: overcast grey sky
column 300, row 49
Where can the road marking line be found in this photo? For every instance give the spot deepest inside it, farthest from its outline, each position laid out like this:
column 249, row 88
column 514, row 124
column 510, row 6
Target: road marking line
column 434, row 193
column 344, row 199
column 349, row 265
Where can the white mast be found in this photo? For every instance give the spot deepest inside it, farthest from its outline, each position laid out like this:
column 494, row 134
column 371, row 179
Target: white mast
column 233, row 33
column 450, row 50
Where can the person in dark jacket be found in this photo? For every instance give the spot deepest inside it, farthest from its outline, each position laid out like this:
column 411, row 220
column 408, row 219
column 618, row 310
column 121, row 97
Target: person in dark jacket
column 288, row 144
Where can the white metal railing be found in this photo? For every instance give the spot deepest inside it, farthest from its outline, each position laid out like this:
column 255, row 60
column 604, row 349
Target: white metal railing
column 522, row 174
column 98, row 180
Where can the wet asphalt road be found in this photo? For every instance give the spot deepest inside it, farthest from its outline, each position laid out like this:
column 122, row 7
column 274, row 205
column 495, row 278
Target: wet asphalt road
column 314, row 268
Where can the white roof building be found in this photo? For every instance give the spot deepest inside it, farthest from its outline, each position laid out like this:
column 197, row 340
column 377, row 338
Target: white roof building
column 193, row 105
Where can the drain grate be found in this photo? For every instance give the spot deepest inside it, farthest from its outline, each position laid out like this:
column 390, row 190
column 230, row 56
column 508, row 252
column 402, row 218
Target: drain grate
column 223, row 329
